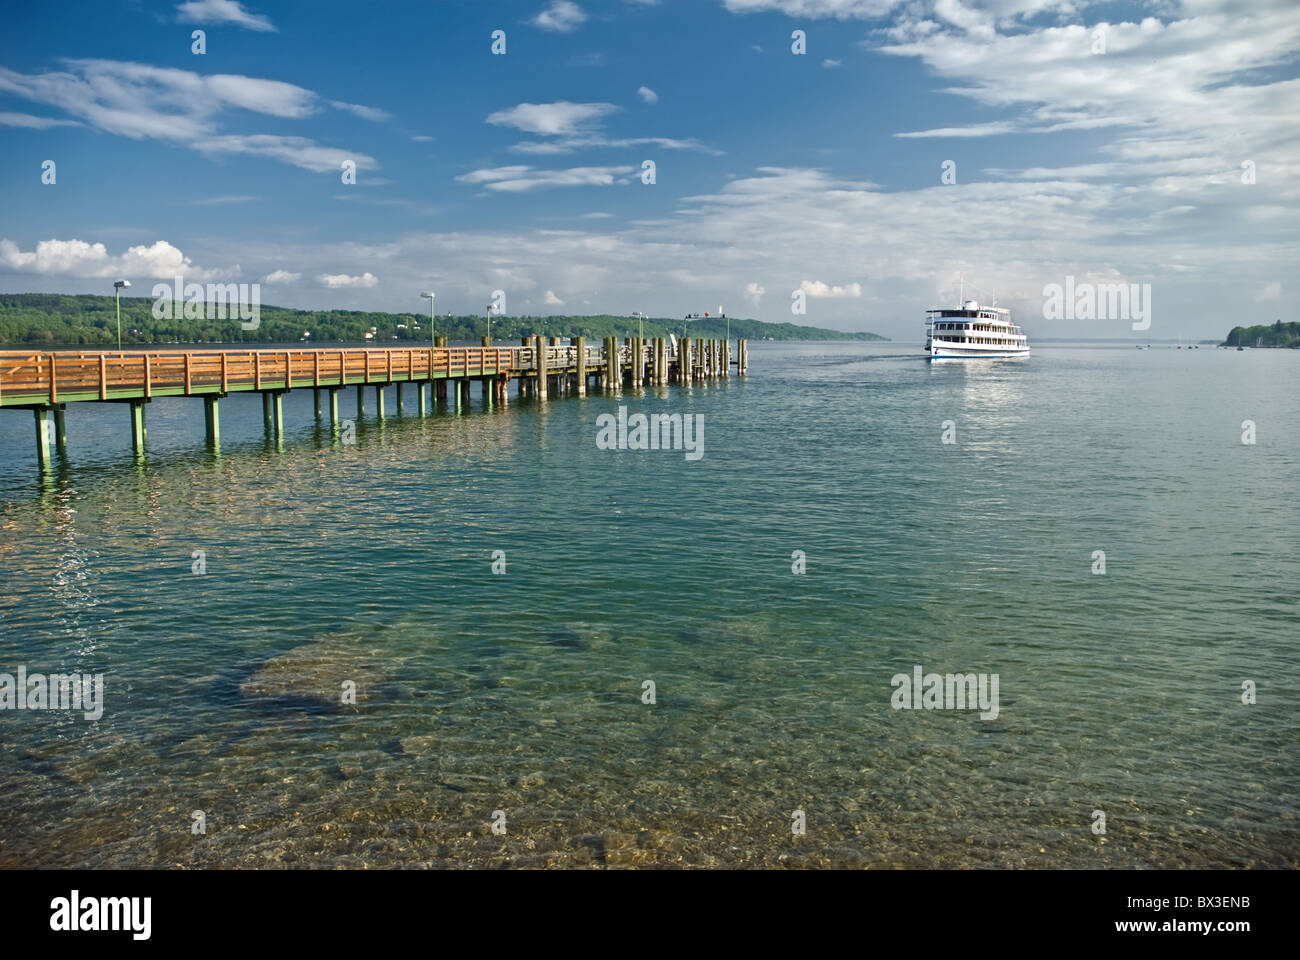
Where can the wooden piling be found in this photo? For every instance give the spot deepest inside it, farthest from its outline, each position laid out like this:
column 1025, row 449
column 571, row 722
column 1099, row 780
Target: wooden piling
column 440, row 387
column 539, row 353
column 581, row 365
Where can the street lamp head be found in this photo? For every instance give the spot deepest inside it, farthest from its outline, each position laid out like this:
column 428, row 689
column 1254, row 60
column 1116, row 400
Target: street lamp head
column 121, row 283
column 426, row 295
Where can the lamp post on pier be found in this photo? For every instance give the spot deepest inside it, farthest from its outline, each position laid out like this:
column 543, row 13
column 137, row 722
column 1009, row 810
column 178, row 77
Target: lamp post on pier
column 433, row 342
column 117, row 295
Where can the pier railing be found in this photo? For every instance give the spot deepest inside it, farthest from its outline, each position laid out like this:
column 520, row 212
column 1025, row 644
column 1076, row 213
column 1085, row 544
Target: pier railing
column 28, row 377
column 46, row 381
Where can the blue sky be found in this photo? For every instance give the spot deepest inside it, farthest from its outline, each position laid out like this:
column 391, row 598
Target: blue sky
column 774, row 171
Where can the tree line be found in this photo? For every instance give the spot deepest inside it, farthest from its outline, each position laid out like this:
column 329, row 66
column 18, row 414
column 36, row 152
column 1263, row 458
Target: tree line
column 1277, row 334
column 51, row 319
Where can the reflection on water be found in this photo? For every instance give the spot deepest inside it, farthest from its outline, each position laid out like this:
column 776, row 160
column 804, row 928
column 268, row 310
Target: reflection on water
column 371, row 564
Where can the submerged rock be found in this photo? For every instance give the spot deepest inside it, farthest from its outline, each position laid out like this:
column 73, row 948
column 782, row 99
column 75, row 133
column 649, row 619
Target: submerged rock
column 316, row 673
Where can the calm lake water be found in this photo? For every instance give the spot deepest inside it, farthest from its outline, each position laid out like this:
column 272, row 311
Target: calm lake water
column 522, row 692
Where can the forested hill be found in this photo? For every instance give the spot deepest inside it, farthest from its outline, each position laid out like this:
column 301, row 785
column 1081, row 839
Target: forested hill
column 48, row 319
column 1277, row 334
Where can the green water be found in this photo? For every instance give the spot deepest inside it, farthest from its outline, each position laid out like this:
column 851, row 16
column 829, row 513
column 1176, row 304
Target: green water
column 522, row 691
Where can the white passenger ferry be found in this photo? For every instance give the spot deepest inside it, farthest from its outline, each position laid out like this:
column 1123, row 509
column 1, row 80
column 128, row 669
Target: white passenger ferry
column 973, row 332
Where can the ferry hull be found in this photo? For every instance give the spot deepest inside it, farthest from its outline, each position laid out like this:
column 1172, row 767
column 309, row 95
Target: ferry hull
column 944, row 353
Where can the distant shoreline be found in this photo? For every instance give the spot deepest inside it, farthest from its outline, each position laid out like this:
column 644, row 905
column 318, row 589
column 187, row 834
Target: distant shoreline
column 47, row 320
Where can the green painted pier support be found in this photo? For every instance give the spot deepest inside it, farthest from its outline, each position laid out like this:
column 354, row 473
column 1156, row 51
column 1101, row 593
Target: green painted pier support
column 212, row 420
column 361, row 400
column 400, row 406
column 334, row 406
column 60, row 428
column 379, row 401
column 137, row 427
column 316, row 391
column 273, row 412
column 42, row 436
column 419, row 396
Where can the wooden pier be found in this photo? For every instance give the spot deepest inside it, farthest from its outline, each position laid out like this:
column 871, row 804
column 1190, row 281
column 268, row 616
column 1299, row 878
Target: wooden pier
column 45, row 382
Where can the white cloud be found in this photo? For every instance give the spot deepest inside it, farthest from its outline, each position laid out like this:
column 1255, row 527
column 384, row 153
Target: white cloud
column 1270, row 291
column 222, row 12
column 365, row 113
column 838, row 9
column 224, row 200
column 551, row 300
column 754, row 294
column 519, row 179
column 551, row 119
column 973, row 130
column 571, row 124
column 298, row 151
column 421, row 138
column 33, row 123
column 180, row 107
column 77, row 258
column 830, row 64
column 819, row 290
column 648, row 95
column 570, row 144
column 337, row 280
column 282, row 276
column 561, row 16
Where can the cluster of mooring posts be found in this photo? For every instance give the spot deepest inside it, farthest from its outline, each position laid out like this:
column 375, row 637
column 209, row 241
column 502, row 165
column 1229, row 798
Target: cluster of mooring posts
column 46, row 382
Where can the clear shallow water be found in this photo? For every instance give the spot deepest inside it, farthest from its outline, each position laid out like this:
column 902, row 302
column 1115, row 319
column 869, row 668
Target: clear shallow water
column 522, row 692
